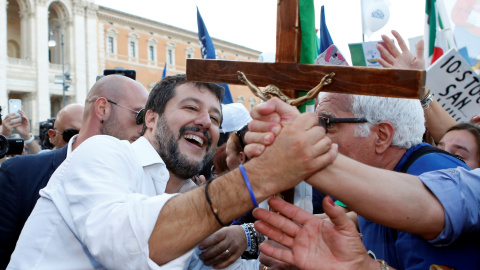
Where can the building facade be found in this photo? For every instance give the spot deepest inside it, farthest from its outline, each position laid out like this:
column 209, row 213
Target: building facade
column 88, row 39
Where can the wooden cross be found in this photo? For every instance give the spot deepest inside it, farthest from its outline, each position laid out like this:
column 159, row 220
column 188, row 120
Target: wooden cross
column 290, row 76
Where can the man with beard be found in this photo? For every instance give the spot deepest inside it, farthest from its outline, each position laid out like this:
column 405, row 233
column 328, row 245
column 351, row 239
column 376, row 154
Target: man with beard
column 115, row 205
column 22, row 177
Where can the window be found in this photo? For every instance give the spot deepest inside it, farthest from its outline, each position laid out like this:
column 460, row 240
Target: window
column 131, row 49
column 252, row 101
column 133, row 45
column 170, row 57
column 112, row 41
column 110, row 45
column 151, row 53
column 152, row 50
column 171, row 53
column 189, row 52
column 240, row 99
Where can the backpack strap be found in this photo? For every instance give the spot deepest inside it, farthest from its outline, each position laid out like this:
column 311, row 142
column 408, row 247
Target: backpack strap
column 421, row 152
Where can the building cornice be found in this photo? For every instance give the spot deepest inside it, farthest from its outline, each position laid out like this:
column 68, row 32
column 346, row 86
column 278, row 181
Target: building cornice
column 147, row 25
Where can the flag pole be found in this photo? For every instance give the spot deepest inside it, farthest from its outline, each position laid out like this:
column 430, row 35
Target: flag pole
column 363, row 23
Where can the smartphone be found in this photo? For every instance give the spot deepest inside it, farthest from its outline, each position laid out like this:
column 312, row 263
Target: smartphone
column 14, row 105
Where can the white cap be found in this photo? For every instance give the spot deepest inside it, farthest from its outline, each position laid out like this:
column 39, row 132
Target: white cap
column 235, row 116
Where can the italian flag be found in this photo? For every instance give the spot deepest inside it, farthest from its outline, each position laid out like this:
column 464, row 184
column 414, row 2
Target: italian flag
column 436, row 43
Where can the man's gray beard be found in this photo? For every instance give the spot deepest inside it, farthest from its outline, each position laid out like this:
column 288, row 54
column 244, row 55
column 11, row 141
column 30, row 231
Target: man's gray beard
column 176, row 162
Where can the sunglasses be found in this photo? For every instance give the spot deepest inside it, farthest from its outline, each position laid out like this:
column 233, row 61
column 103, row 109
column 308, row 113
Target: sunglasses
column 139, row 115
column 241, row 133
column 327, row 123
column 68, row 134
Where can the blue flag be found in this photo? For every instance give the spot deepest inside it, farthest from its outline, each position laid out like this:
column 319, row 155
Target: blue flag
column 325, row 38
column 208, row 52
column 164, row 71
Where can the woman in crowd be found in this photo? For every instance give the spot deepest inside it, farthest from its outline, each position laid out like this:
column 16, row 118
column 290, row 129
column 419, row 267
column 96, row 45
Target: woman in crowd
column 463, row 140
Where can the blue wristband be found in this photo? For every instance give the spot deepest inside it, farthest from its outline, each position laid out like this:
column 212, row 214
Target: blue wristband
column 249, row 187
column 247, row 235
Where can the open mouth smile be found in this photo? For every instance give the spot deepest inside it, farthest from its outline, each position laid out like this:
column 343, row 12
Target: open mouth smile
column 194, row 139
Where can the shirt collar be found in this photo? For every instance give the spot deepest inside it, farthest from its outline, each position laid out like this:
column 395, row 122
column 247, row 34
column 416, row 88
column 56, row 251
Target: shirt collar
column 70, row 144
column 145, row 153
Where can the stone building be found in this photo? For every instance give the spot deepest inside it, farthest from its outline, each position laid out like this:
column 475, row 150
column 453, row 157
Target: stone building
column 91, row 38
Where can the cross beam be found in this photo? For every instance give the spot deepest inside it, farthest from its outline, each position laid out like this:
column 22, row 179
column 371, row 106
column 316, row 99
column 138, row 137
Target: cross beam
column 398, row 83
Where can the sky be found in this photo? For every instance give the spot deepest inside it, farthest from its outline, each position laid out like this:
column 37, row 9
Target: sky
column 252, row 23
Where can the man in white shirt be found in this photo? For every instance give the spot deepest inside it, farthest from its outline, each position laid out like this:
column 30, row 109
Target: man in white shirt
column 114, row 205
column 22, row 177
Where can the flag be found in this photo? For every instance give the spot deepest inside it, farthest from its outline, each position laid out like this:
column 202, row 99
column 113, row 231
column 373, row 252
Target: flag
column 375, row 14
column 438, row 35
column 365, row 54
column 307, row 24
column 331, row 56
column 308, row 49
column 325, row 38
column 206, row 44
column 164, row 74
column 208, row 52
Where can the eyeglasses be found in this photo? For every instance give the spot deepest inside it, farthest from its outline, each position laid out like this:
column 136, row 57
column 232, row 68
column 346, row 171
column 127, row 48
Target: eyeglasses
column 139, row 114
column 330, row 122
column 68, row 134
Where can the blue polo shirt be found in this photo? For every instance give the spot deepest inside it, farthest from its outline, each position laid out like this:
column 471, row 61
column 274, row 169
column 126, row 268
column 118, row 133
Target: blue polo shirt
column 408, row 251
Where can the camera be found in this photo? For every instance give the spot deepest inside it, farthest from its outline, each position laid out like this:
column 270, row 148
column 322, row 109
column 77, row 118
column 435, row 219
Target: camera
column 10, row 146
column 43, row 136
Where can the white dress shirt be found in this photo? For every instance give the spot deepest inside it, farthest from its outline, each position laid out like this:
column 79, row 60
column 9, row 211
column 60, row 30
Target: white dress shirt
column 98, row 210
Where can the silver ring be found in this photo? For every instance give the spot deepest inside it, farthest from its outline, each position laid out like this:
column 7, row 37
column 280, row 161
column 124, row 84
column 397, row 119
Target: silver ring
column 228, row 253
column 265, row 267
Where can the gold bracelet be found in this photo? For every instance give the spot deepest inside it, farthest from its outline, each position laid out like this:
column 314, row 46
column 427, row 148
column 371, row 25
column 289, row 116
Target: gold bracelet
column 383, row 264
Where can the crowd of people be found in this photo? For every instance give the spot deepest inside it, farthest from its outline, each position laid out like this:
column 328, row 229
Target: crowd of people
column 124, row 186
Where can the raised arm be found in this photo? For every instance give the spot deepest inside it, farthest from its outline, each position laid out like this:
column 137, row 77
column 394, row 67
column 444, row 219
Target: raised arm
column 22, row 126
column 438, row 121
column 406, row 204
column 297, row 153
column 396, row 200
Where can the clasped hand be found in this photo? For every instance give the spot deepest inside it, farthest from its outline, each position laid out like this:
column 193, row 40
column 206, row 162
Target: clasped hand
column 272, row 118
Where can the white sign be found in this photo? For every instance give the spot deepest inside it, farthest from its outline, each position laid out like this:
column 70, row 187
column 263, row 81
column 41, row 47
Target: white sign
column 455, row 86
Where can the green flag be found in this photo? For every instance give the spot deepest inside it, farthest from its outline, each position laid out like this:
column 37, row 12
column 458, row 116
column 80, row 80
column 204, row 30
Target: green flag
column 308, row 47
column 307, row 27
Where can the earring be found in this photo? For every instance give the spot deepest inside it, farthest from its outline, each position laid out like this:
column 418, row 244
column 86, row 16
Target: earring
column 101, row 121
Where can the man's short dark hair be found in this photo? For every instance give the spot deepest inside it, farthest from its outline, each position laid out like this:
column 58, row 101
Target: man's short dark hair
column 164, row 90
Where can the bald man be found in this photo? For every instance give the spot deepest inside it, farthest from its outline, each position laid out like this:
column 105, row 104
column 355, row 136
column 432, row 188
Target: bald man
column 114, row 106
column 67, row 124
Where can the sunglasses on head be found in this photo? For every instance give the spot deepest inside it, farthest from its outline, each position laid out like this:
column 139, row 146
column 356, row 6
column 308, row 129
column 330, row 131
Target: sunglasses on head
column 139, row 115
column 68, row 134
column 327, row 123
